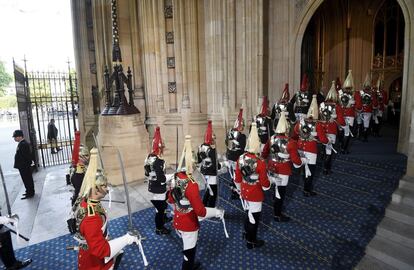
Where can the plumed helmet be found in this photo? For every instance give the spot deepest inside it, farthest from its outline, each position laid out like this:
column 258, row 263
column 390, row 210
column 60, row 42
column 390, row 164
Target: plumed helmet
column 327, row 111
column 313, row 109
column 94, row 176
column 349, row 81
column 239, row 123
column 208, row 136
column 307, row 126
column 76, row 149
column 332, row 95
column 367, row 82
column 305, row 84
column 282, row 126
column 157, row 143
column 253, row 142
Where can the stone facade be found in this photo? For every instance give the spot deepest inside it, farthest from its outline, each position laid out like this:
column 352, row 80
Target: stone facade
column 194, row 60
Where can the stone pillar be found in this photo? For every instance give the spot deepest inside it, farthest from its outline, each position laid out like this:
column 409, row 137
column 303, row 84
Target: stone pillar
column 126, row 133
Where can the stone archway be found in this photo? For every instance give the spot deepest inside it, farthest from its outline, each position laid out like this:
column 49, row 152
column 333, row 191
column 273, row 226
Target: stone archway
column 407, row 6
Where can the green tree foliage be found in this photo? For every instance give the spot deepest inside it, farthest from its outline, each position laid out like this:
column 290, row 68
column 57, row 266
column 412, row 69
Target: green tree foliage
column 8, row 102
column 5, row 79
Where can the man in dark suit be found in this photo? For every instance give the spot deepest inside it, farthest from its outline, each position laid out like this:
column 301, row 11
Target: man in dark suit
column 22, row 162
column 52, row 133
column 6, row 247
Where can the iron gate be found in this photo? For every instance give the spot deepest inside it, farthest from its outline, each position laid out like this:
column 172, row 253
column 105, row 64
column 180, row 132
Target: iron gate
column 51, row 95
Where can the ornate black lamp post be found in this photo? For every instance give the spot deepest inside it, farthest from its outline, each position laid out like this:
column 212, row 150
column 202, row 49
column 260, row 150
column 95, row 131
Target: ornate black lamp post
column 116, row 103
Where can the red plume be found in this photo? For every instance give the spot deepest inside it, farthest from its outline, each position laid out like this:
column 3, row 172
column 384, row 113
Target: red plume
column 338, row 84
column 208, row 136
column 285, row 94
column 238, row 125
column 265, row 106
column 305, row 84
column 157, row 144
column 76, row 148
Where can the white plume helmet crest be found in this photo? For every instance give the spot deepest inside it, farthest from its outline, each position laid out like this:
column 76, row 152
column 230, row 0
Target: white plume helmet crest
column 89, row 180
column 186, row 160
column 282, row 125
column 349, row 81
column 253, row 142
column 313, row 109
column 367, row 81
column 332, row 93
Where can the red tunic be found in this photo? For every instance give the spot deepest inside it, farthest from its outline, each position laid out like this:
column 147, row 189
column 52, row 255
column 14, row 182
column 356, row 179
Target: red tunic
column 98, row 246
column 311, row 146
column 188, row 222
column 349, row 112
column 363, row 107
column 253, row 193
column 284, row 168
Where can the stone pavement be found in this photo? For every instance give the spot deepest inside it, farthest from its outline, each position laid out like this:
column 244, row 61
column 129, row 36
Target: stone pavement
column 44, row 216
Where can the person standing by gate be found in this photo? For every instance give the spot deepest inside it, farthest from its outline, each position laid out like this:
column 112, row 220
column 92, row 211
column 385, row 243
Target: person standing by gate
column 52, row 133
column 22, row 162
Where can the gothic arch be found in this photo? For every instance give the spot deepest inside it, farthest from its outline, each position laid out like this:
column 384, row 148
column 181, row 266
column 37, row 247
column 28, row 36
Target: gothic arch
column 407, row 7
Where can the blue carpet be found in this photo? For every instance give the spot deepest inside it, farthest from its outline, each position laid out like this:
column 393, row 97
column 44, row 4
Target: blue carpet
column 329, row 231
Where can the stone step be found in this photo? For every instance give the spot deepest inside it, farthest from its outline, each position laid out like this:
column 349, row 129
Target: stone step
column 407, row 182
column 400, row 212
column 403, row 196
column 396, row 231
column 370, row 263
column 391, row 253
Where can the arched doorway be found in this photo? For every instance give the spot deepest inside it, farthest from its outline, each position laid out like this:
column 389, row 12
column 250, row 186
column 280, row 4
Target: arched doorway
column 336, row 55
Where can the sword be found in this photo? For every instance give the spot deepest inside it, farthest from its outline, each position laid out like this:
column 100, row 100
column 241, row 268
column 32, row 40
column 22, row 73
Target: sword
column 9, row 212
column 131, row 228
column 99, row 150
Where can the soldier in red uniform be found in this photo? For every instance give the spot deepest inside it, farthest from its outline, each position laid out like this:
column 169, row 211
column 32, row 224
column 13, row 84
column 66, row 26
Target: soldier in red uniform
column 282, row 153
column 382, row 99
column 309, row 131
column 188, row 207
column 207, row 158
column 251, row 179
column 96, row 252
column 302, row 99
column 264, row 123
column 347, row 103
column 154, row 167
column 283, row 106
column 235, row 142
column 365, row 103
column 332, row 116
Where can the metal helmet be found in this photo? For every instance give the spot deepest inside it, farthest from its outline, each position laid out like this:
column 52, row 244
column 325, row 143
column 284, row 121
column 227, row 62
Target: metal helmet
column 279, row 146
column 157, row 143
column 366, row 99
column 306, row 128
column 327, row 111
column 248, row 167
column 253, row 142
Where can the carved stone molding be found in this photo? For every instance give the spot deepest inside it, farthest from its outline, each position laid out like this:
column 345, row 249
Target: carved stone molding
column 169, row 37
column 168, row 9
column 172, row 87
column 171, row 62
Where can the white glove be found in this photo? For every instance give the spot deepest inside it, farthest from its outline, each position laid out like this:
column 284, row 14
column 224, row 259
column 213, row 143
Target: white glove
column 5, row 220
column 220, row 213
column 314, row 134
column 304, row 160
column 211, row 212
column 117, row 244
